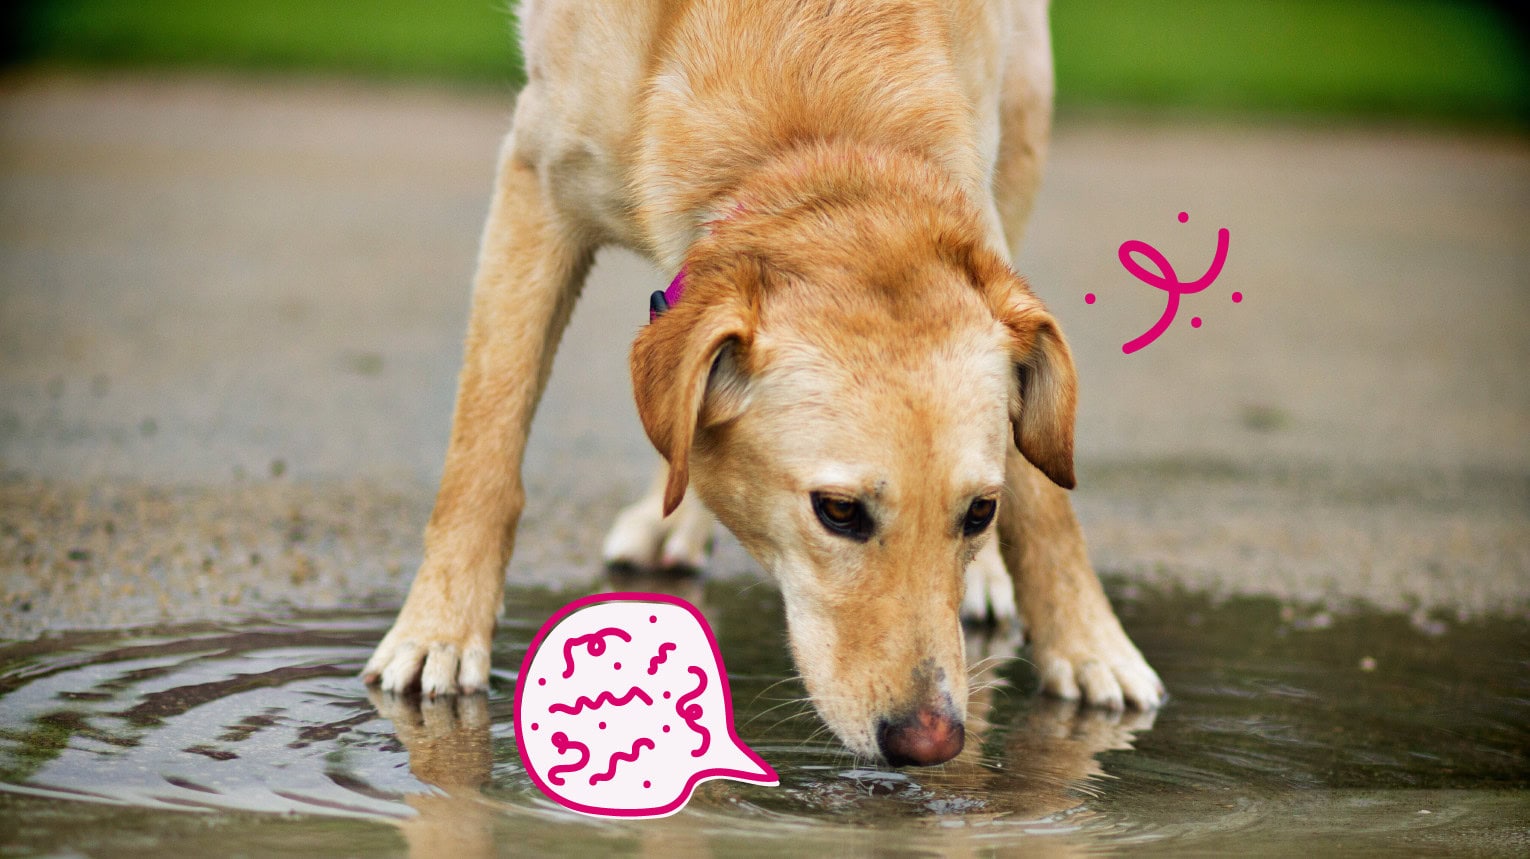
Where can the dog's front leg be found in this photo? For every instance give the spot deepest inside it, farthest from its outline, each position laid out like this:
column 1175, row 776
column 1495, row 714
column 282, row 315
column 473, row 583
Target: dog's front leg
column 1077, row 644
column 530, row 268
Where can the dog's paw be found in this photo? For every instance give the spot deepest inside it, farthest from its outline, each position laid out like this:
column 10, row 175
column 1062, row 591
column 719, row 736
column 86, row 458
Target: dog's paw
column 1098, row 664
column 989, row 591
column 644, row 538
column 439, row 651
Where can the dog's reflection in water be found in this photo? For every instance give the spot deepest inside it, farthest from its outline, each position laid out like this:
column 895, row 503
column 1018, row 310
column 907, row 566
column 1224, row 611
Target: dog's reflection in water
column 450, row 749
column 1050, row 751
column 1049, row 757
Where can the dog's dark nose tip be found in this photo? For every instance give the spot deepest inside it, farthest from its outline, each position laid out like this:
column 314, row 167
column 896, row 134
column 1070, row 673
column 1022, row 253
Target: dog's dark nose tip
column 924, row 738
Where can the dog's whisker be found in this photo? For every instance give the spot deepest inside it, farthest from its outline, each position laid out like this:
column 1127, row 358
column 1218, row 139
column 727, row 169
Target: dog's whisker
column 983, row 664
column 784, row 680
column 772, row 709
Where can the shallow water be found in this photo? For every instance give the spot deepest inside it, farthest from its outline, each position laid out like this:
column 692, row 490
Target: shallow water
column 1287, row 731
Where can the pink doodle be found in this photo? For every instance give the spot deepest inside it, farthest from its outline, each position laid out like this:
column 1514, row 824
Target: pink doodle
column 595, row 642
column 1166, row 279
column 581, row 704
column 562, row 743
column 610, row 773
column 664, row 649
column 652, row 765
column 692, row 713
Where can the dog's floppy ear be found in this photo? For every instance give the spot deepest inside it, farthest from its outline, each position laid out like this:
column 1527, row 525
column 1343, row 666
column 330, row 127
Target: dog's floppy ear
column 1046, row 400
column 686, row 364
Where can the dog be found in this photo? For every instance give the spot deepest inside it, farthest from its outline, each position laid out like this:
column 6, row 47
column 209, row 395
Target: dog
column 846, row 372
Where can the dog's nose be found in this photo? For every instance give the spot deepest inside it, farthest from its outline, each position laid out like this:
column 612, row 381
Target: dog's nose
column 923, row 738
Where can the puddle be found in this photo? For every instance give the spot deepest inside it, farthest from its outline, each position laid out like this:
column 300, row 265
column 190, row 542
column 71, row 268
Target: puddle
column 1286, row 732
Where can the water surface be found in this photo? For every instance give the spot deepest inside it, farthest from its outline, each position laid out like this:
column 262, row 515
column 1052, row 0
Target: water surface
column 1287, row 731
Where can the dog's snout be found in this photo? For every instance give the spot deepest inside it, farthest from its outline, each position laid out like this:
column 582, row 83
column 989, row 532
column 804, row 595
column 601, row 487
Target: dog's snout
column 924, row 738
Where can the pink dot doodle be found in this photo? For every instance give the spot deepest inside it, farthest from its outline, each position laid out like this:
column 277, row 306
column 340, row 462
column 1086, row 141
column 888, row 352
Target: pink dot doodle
column 1165, row 279
column 609, row 750
column 1088, row 298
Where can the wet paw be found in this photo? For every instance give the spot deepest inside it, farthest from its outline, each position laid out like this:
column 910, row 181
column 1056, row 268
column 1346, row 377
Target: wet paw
column 989, row 591
column 644, row 538
column 1099, row 666
column 438, row 656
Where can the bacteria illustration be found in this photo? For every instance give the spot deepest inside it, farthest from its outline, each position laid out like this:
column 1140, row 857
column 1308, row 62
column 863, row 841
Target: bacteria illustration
column 622, row 707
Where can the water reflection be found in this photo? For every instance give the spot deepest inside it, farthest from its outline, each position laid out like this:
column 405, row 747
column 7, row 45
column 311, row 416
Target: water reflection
column 450, row 748
column 1363, row 729
column 1029, row 777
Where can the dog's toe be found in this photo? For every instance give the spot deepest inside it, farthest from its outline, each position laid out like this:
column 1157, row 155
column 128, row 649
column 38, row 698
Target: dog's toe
column 438, row 656
column 440, row 669
column 1105, row 670
column 989, row 591
column 1099, row 687
column 473, row 671
column 1141, row 687
column 396, row 666
column 439, row 674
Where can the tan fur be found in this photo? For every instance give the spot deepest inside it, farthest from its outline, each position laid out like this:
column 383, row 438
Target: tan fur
column 841, row 182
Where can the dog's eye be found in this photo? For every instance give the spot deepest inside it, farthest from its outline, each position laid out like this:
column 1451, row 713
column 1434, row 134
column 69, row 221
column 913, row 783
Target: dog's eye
column 979, row 514
column 843, row 516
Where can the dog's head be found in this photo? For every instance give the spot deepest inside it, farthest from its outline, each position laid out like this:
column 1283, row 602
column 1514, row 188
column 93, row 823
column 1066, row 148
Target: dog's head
column 841, row 389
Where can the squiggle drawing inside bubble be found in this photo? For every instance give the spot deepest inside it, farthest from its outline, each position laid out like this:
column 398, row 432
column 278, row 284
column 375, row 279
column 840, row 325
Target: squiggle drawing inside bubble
column 664, row 649
column 622, row 707
column 582, row 703
column 595, row 642
column 561, row 741
column 632, row 755
column 692, row 713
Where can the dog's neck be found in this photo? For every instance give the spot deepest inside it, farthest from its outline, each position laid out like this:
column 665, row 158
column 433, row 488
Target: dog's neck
column 717, row 113
column 865, row 201
column 812, row 175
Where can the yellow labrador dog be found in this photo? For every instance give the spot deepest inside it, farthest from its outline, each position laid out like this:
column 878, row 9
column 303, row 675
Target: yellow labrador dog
column 847, row 371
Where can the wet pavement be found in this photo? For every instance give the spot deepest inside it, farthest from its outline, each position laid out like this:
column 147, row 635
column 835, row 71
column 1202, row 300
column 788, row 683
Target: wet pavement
column 230, row 316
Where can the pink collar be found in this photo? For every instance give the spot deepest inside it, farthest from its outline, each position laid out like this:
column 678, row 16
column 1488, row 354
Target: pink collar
column 664, row 299
column 661, row 301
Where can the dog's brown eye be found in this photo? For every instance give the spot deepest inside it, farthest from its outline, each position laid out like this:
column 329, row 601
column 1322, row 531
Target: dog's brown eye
column 843, row 516
column 979, row 514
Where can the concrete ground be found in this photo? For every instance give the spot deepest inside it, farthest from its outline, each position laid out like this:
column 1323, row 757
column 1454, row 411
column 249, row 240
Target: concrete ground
column 231, row 310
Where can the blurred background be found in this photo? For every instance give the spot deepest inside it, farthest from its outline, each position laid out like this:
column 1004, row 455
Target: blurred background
column 236, row 241
column 1430, row 60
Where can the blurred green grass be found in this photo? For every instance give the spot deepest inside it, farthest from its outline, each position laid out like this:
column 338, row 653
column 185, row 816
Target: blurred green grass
column 459, row 40
column 1414, row 59
column 1408, row 58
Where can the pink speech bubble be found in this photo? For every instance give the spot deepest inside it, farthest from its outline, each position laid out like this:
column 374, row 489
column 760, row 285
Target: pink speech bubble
column 622, row 707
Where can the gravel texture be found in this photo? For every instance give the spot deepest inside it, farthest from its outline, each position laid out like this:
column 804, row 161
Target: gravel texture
column 231, row 310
